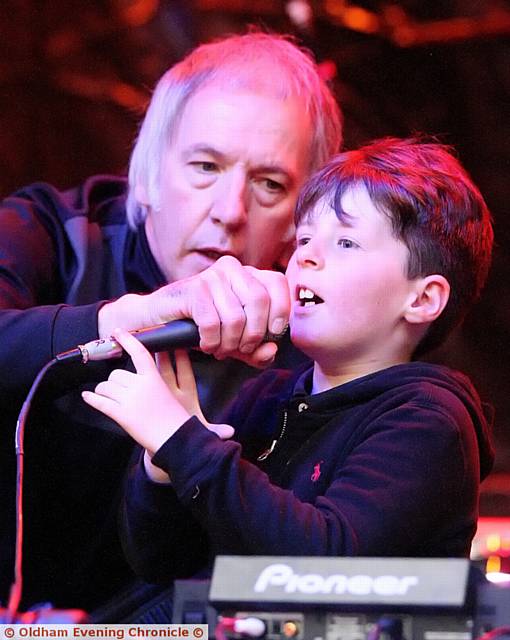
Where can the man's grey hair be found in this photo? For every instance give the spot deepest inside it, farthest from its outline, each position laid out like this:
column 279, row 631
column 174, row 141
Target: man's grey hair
column 236, row 62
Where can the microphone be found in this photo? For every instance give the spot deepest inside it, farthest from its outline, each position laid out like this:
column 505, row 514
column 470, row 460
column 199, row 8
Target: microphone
column 176, row 334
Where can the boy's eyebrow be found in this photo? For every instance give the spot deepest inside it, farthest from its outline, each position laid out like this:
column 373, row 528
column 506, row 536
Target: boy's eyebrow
column 223, row 158
column 346, row 219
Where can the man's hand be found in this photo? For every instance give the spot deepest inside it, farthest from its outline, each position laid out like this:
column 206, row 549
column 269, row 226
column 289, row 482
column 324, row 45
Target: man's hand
column 234, row 306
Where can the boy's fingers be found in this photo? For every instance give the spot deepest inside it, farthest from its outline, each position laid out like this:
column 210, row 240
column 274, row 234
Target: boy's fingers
column 164, row 365
column 162, row 359
column 224, row 431
column 111, row 390
column 102, row 403
column 122, row 377
column 141, row 358
column 184, row 371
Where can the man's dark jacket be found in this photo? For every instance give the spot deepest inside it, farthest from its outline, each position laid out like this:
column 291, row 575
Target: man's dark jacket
column 62, row 255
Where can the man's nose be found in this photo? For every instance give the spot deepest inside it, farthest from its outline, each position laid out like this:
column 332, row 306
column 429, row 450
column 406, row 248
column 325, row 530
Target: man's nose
column 230, row 207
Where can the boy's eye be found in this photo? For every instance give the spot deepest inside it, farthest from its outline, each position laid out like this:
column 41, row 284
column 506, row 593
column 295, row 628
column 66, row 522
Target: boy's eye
column 346, row 243
column 300, row 242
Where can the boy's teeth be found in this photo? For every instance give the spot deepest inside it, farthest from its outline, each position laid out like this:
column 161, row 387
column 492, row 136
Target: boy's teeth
column 307, row 297
column 306, row 294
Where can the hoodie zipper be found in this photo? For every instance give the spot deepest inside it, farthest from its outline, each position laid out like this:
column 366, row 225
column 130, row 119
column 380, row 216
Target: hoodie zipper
column 265, row 454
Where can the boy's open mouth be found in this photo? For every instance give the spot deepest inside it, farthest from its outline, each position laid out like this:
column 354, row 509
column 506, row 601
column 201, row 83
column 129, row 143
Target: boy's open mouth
column 307, row 297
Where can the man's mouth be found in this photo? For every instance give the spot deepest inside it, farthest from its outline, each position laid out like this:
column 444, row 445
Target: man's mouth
column 214, row 254
column 306, row 297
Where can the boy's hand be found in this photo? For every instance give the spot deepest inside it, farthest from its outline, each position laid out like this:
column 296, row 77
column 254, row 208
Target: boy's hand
column 142, row 403
column 182, row 384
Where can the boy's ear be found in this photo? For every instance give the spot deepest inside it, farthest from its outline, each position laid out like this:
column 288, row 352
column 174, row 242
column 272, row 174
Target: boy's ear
column 430, row 297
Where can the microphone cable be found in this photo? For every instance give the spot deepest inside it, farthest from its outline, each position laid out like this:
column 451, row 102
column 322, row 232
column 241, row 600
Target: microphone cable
column 16, row 590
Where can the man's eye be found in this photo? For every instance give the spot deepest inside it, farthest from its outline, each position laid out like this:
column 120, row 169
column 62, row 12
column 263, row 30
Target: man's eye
column 272, row 185
column 346, row 243
column 205, row 166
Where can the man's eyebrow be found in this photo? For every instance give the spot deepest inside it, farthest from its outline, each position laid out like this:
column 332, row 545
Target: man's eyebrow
column 203, row 148
column 275, row 168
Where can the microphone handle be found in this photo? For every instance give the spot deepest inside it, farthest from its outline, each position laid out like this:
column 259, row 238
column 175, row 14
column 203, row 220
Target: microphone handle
column 177, row 334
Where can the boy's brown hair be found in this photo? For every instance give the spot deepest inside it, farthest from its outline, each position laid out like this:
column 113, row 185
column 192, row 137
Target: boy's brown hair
column 434, row 208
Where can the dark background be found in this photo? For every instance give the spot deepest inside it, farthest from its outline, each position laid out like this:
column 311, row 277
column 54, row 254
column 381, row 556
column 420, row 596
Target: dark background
column 75, row 77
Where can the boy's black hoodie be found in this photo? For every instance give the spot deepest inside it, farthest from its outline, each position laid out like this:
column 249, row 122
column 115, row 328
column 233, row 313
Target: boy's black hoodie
column 385, row 465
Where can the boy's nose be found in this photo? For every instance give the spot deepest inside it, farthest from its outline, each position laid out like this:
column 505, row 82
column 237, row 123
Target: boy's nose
column 308, row 255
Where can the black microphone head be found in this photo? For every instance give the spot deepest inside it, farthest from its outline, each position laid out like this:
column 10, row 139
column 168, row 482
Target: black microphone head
column 177, row 334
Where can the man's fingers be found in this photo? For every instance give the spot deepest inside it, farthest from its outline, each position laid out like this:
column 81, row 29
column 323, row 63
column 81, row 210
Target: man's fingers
column 229, row 306
column 277, row 288
column 141, row 358
column 202, row 309
column 264, row 297
column 244, row 303
column 234, row 306
column 256, row 305
column 262, row 357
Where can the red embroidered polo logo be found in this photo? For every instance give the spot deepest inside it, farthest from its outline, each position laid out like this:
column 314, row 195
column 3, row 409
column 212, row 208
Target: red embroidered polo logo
column 316, row 472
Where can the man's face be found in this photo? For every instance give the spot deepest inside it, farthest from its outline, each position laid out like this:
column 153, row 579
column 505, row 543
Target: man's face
column 356, row 271
column 229, row 181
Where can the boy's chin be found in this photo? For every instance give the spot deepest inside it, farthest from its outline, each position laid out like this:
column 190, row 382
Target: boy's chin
column 306, row 342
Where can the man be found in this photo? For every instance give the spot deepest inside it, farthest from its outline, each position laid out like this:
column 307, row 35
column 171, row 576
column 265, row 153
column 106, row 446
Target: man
column 231, row 133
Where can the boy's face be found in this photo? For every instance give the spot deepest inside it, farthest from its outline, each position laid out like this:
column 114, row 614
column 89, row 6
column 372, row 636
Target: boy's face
column 356, row 269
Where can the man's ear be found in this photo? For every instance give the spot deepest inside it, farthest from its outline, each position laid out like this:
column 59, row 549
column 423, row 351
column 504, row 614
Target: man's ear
column 430, row 297
column 141, row 195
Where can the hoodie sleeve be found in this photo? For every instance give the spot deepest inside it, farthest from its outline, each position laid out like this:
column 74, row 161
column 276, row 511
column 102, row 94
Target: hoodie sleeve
column 144, row 529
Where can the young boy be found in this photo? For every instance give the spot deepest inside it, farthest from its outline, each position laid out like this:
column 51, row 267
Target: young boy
column 367, row 452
